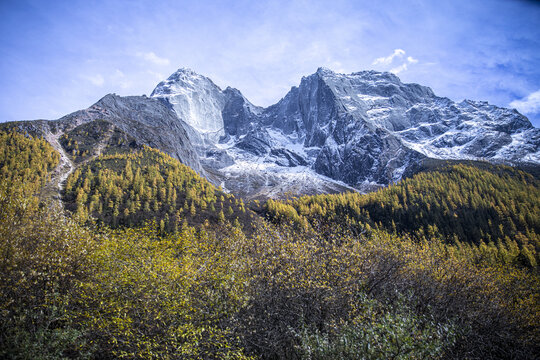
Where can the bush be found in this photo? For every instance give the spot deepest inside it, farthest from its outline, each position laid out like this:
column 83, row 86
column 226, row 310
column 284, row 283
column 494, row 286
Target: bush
column 43, row 258
column 379, row 332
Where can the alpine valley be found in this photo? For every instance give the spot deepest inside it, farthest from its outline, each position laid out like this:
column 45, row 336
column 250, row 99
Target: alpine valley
column 357, row 218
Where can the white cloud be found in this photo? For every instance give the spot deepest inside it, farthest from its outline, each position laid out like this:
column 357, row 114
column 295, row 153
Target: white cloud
column 399, row 69
column 96, row 80
column 153, row 58
column 412, row 60
column 529, row 104
column 395, row 58
column 388, row 60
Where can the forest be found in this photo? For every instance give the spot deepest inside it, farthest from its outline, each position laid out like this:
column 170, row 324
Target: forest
column 130, row 188
column 141, row 258
column 493, row 210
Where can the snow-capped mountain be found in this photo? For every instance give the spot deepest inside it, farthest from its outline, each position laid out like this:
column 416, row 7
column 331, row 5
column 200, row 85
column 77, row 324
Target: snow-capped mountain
column 338, row 130
column 203, row 105
column 332, row 133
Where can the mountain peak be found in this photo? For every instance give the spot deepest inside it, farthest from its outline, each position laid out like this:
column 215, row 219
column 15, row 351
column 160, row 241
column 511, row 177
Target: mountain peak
column 367, row 75
column 324, row 71
column 376, row 75
column 110, row 98
column 185, row 70
column 183, row 80
column 361, row 127
column 186, row 76
column 195, row 99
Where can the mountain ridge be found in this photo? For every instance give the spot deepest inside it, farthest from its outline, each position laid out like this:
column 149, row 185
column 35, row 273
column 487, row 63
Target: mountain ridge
column 331, row 133
column 363, row 129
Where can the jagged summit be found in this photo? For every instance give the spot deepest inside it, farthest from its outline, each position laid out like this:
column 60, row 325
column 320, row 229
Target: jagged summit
column 362, row 128
column 182, row 80
column 195, row 98
column 324, row 71
column 367, row 75
column 201, row 104
column 184, row 72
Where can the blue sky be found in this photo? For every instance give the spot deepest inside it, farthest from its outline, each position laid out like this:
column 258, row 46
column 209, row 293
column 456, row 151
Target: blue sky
column 61, row 56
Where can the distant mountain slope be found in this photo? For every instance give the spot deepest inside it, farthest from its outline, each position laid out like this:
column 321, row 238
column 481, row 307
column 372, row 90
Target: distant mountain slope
column 127, row 189
column 146, row 121
column 25, row 162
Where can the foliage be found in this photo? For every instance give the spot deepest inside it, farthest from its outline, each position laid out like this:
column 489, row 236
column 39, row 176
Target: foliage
column 25, row 161
column 495, row 209
column 67, row 291
column 155, row 297
column 379, row 332
column 310, row 287
column 130, row 188
column 305, row 289
column 42, row 259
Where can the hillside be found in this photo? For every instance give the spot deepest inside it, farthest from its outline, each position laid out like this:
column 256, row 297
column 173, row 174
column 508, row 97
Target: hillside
column 25, row 162
column 462, row 204
column 127, row 189
column 133, row 285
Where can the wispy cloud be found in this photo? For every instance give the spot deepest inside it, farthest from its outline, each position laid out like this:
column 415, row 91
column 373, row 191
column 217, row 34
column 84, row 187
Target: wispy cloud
column 398, row 53
column 96, row 80
column 153, row 58
column 529, row 104
column 396, row 57
column 412, row 60
column 399, row 68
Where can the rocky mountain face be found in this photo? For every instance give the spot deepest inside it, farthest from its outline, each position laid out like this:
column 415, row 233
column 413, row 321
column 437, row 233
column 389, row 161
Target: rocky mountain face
column 147, row 120
column 334, row 132
column 361, row 130
column 144, row 120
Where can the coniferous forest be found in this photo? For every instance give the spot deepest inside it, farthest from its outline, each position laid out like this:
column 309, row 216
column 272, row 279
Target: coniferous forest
column 141, row 258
